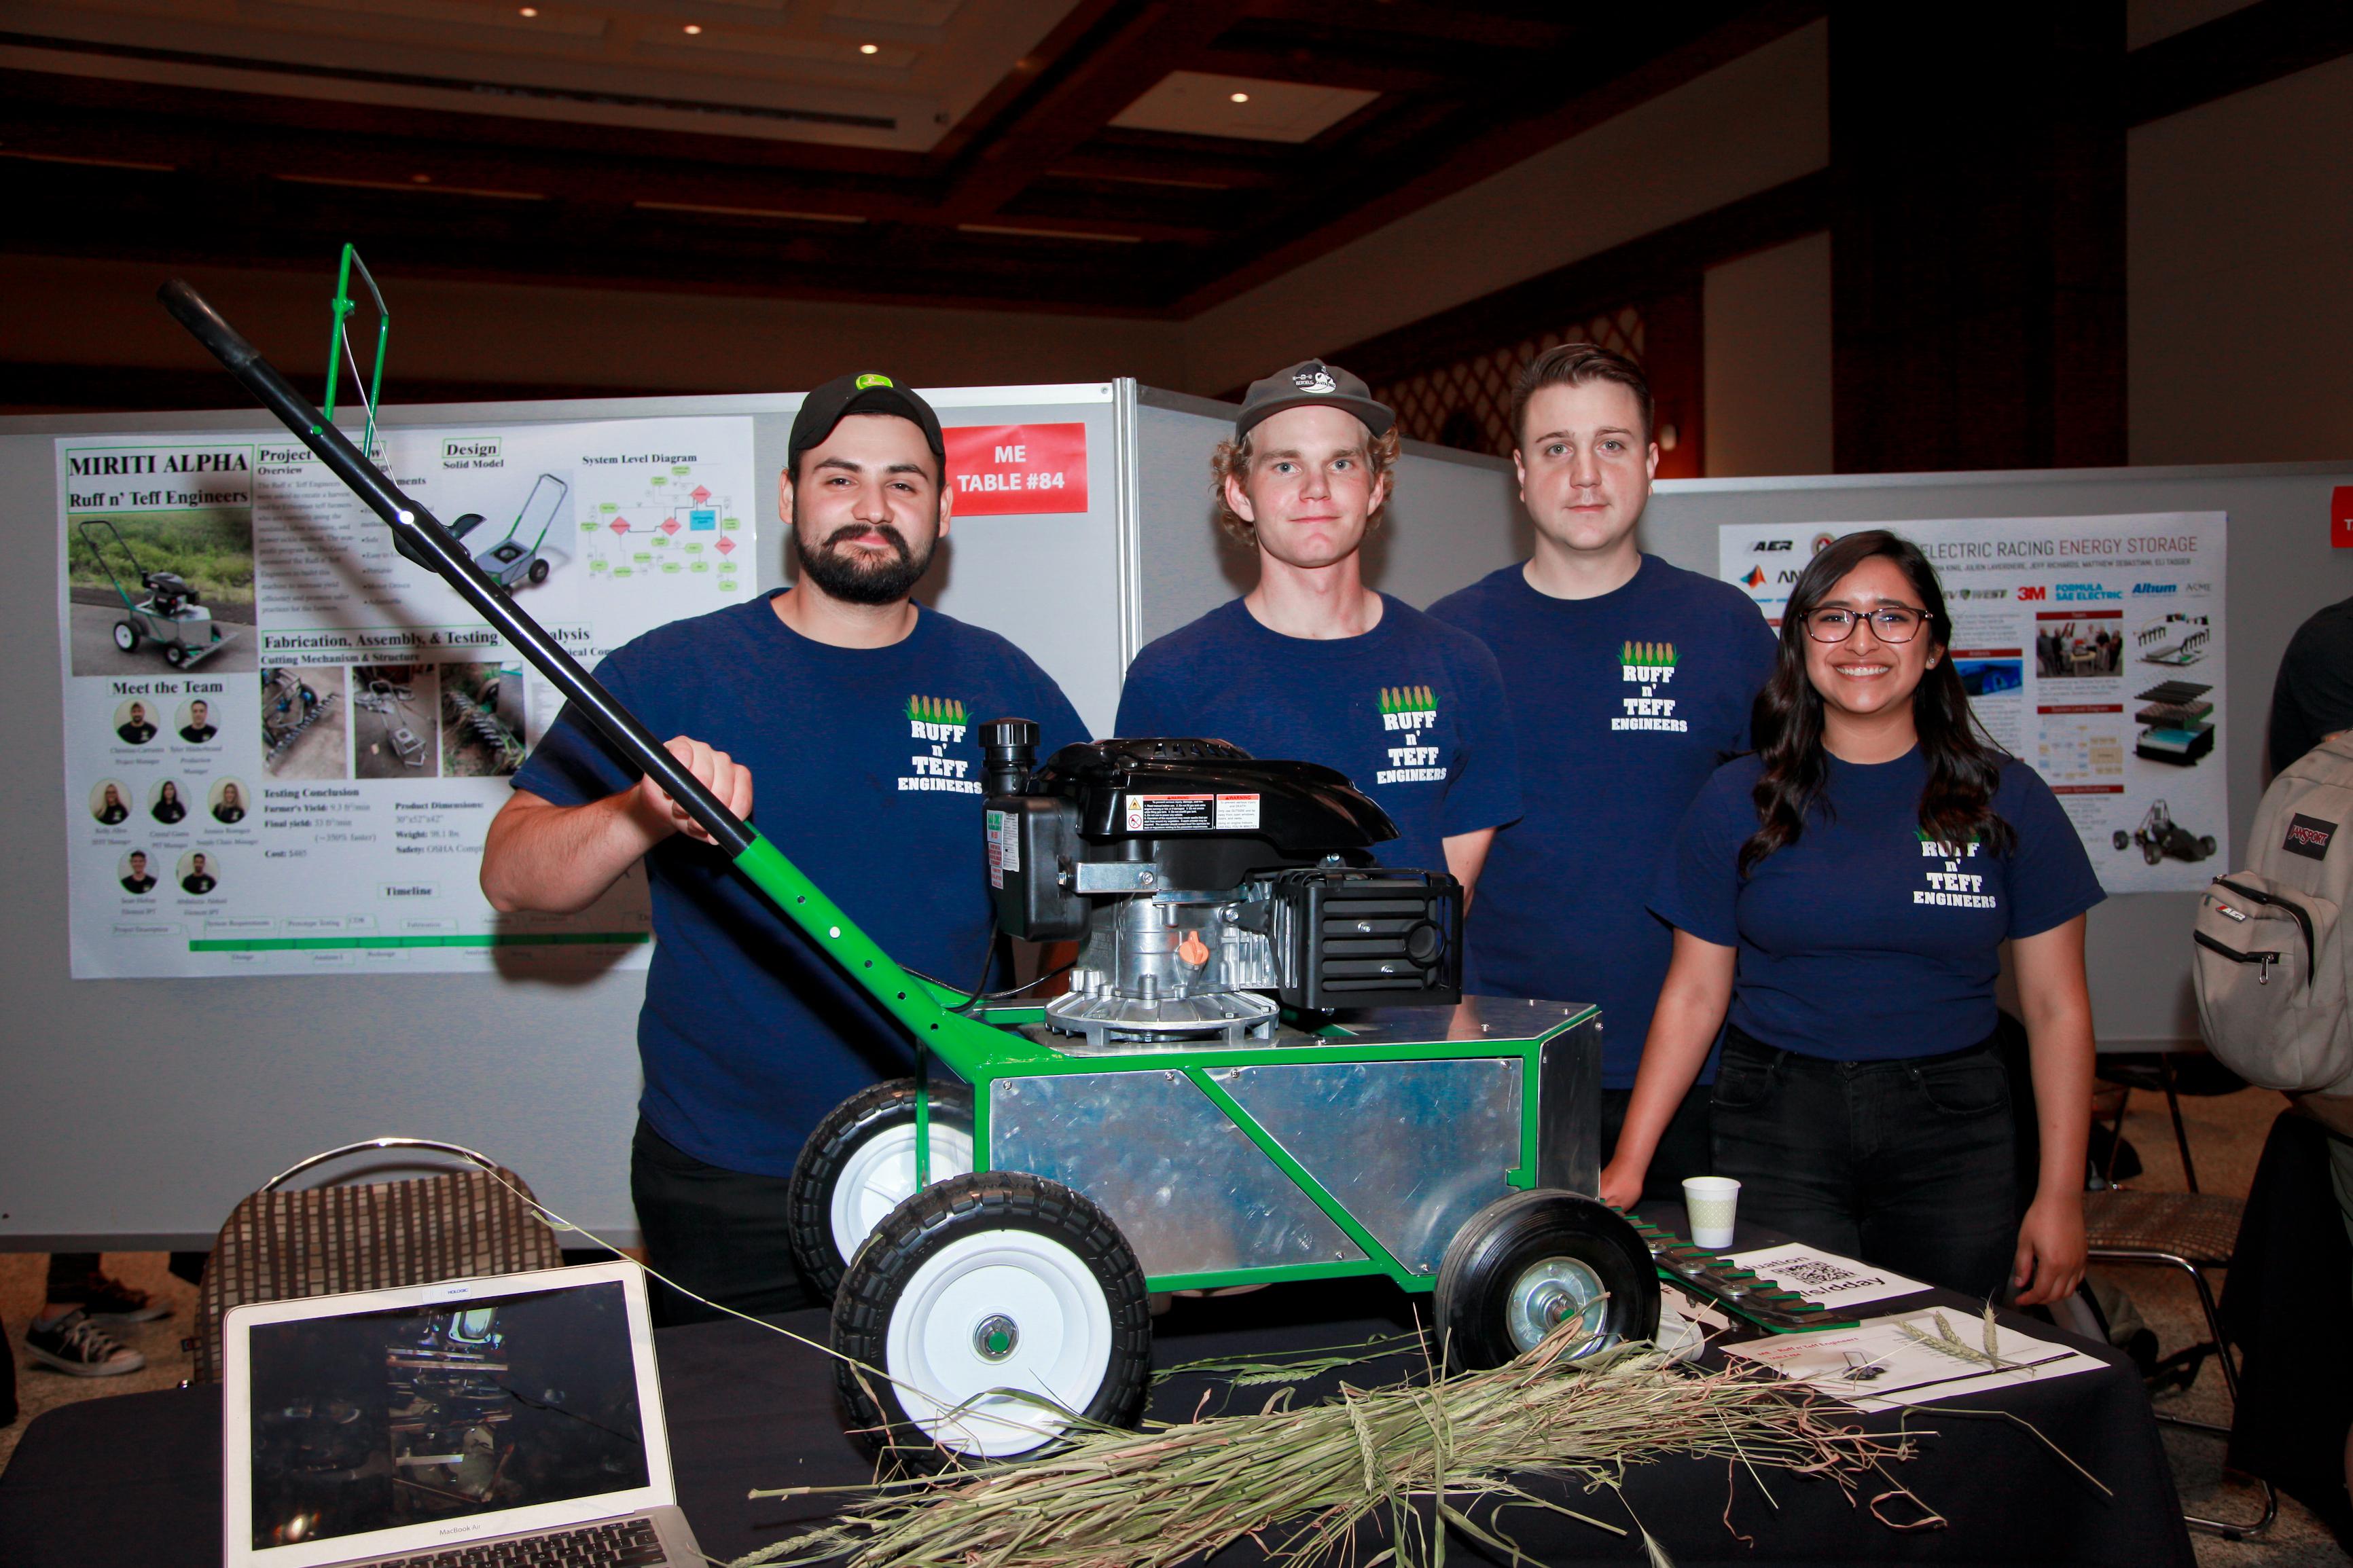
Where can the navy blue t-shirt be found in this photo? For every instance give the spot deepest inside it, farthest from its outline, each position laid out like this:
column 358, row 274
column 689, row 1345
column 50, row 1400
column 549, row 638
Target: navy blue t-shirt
column 1863, row 941
column 1412, row 712
column 866, row 772
column 1623, row 705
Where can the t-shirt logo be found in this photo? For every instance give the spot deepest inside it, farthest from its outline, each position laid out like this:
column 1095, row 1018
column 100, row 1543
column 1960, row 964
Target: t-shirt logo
column 1952, row 887
column 1650, row 668
column 2308, row 836
column 939, row 722
column 1407, row 712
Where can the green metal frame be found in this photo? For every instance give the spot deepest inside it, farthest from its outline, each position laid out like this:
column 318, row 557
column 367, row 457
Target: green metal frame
column 339, row 344
column 983, row 1047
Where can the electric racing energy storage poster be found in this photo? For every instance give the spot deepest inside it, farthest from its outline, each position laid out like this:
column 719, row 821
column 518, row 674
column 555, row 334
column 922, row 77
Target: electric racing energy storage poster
column 284, row 742
column 2092, row 646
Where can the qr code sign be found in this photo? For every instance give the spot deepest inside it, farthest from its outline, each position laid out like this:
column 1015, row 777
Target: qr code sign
column 1821, row 1274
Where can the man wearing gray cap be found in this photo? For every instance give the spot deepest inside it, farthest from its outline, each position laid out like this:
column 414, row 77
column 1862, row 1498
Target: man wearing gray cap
column 1314, row 664
column 858, row 712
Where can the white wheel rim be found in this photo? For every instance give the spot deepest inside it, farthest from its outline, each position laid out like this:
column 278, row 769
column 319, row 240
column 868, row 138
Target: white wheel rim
column 123, row 636
column 984, row 1284
column 879, row 1175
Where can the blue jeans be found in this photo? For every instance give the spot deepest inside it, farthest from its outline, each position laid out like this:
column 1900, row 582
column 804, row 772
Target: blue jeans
column 1905, row 1164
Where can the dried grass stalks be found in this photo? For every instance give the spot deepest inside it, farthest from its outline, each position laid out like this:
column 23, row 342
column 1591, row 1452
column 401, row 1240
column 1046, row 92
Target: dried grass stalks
column 1300, row 1481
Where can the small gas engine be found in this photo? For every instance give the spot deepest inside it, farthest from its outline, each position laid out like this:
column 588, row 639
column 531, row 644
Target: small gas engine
column 1208, row 890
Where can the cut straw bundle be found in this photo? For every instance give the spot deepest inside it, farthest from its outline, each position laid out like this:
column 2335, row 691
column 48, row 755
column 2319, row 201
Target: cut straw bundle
column 1300, row 1481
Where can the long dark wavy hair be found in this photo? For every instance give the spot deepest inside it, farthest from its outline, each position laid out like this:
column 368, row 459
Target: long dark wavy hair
column 1963, row 765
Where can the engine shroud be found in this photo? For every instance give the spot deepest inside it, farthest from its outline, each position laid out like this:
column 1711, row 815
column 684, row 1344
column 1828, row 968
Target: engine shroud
column 1210, row 889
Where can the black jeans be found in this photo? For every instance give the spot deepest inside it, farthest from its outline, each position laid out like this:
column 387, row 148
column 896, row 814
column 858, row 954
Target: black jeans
column 1684, row 1148
column 1904, row 1164
column 720, row 1233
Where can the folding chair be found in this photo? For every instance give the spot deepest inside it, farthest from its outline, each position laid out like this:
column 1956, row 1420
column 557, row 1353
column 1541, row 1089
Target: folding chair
column 322, row 1240
column 2192, row 1232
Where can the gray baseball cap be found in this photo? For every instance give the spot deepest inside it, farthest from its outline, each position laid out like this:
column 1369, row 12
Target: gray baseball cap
column 1312, row 380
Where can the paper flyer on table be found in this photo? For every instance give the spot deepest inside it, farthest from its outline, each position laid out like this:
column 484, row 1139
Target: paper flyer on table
column 1880, row 1366
column 2094, row 649
column 1826, row 1277
column 284, row 742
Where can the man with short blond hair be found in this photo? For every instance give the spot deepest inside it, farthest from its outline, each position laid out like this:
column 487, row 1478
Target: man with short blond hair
column 1629, row 681
column 1313, row 664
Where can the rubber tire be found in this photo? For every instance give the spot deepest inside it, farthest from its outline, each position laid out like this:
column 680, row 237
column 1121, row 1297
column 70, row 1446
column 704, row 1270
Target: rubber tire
column 2123, row 840
column 808, row 1201
column 174, row 655
column 1487, row 1254
column 126, row 637
column 2152, row 852
column 538, row 572
column 2205, row 846
column 949, row 1211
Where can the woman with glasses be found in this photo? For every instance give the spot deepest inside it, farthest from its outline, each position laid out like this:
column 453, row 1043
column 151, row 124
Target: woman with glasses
column 1842, row 895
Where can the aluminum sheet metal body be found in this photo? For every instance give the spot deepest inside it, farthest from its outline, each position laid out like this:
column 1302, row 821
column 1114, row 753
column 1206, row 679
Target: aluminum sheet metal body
column 1360, row 1147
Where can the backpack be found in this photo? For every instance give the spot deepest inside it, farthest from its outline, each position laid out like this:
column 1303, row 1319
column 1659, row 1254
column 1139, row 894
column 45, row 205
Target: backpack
column 2271, row 961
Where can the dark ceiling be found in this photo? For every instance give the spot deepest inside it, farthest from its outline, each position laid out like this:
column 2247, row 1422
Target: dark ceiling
column 1114, row 220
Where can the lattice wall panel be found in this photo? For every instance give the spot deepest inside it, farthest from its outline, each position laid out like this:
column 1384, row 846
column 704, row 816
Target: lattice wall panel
column 1468, row 404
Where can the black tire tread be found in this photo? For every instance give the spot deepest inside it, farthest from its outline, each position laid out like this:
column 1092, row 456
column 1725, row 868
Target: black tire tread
column 941, row 1213
column 808, row 1198
column 1475, row 1244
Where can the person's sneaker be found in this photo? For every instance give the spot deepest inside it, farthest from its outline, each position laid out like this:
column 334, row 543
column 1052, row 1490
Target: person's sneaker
column 109, row 1300
column 76, row 1345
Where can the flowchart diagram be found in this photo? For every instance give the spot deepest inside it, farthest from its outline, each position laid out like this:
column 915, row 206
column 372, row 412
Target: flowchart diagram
column 668, row 523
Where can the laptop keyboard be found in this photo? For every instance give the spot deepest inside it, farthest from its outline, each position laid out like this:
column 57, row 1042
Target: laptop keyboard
column 621, row 1543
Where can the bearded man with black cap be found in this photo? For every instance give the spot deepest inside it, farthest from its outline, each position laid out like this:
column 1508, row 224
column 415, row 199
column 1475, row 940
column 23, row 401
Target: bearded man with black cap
column 1313, row 664
column 857, row 711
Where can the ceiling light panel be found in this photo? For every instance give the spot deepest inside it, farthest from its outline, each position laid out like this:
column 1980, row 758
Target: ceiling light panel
column 1248, row 109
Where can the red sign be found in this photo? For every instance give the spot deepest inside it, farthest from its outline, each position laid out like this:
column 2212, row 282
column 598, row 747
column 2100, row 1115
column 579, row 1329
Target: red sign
column 2340, row 517
column 1003, row 470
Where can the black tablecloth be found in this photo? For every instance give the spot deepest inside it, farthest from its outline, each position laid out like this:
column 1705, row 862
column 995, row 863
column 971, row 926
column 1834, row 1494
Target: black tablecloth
column 135, row 1480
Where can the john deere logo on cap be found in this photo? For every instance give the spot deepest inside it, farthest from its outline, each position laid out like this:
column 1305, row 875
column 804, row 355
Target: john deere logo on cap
column 1318, row 380
column 866, row 381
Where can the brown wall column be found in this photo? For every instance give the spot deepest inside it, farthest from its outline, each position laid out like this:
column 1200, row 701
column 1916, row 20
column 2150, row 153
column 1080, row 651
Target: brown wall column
column 1978, row 235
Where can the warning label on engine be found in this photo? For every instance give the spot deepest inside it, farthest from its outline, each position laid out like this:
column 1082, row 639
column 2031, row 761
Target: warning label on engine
column 1237, row 811
column 1171, row 813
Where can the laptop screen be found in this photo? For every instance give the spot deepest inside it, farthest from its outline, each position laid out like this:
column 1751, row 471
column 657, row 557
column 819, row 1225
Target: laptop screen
column 426, row 1415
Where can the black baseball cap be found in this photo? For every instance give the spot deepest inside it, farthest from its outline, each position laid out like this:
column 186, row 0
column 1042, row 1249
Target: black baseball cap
column 865, row 392
column 1312, row 380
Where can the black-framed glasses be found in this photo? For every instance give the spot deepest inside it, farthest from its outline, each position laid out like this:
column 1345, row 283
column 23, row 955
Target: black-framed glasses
column 1889, row 623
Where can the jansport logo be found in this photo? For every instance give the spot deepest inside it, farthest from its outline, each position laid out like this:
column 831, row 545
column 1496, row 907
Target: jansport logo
column 2034, row 591
column 2141, row 589
column 2077, row 591
column 1774, row 545
column 2308, row 836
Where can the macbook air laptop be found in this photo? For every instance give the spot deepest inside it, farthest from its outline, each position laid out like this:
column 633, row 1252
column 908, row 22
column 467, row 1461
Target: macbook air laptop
column 493, row 1423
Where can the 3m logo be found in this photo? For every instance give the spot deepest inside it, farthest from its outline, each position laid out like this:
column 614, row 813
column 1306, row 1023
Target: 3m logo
column 2308, row 836
column 2035, row 590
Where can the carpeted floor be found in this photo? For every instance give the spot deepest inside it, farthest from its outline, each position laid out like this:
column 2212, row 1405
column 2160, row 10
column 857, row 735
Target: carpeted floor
column 2226, row 1135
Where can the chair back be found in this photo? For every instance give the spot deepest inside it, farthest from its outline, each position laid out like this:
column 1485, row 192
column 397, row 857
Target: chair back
column 322, row 1241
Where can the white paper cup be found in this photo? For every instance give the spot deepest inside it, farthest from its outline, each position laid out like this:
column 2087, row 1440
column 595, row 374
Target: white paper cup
column 1710, row 1201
